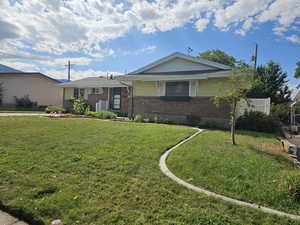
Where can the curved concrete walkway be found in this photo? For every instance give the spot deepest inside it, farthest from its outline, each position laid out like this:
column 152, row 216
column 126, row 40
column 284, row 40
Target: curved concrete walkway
column 23, row 114
column 167, row 172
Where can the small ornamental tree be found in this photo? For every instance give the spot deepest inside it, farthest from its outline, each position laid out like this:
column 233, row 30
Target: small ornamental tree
column 79, row 106
column 239, row 82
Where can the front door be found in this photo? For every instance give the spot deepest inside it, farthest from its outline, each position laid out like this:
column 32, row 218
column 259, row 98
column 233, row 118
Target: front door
column 115, row 98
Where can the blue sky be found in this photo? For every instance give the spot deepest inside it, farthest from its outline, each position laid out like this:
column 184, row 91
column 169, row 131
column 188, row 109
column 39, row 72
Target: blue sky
column 120, row 36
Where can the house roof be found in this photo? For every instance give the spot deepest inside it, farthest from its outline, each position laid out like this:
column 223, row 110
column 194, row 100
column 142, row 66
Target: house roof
column 7, row 69
column 28, row 74
column 175, row 76
column 182, row 56
column 94, row 82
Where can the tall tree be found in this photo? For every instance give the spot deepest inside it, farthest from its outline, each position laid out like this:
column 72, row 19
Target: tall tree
column 270, row 81
column 297, row 71
column 218, row 56
column 239, row 83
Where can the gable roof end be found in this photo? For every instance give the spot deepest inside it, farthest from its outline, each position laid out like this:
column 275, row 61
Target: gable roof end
column 182, row 56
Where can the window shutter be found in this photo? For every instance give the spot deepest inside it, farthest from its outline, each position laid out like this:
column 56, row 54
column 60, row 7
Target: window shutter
column 193, row 88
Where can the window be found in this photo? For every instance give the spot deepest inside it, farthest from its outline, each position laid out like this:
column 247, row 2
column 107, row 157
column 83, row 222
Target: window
column 81, row 92
column 95, row 91
column 116, row 98
column 177, row 88
column 78, row 93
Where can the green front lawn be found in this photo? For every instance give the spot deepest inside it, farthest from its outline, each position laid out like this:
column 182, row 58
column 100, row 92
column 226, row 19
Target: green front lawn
column 86, row 172
column 255, row 170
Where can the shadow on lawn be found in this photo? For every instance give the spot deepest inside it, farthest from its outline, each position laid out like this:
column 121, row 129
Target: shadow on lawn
column 21, row 214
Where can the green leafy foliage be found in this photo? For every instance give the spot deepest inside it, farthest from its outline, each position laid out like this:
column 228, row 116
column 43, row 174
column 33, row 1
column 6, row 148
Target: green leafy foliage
column 55, row 109
column 258, row 121
column 297, row 71
column 79, row 106
column 103, row 114
column 138, row 118
column 25, row 102
column 218, row 56
column 193, row 120
column 280, row 112
column 270, row 81
column 239, row 83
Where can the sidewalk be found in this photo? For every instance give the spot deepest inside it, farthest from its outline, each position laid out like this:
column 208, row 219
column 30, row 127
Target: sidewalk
column 6, row 219
column 22, row 114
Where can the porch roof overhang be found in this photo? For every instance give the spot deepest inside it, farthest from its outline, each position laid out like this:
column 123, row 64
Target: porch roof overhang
column 171, row 77
column 94, row 82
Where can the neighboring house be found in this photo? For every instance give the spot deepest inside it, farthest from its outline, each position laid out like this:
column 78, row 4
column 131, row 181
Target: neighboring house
column 178, row 86
column 100, row 93
column 39, row 88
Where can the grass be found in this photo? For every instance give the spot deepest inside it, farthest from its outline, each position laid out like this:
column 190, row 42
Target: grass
column 254, row 170
column 88, row 172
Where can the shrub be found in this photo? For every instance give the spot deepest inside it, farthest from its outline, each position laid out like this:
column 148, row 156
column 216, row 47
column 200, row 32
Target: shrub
column 55, row 109
column 89, row 113
column 138, row 118
column 79, row 106
column 258, row 121
column 25, row 102
column 193, row 120
column 281, row 112
column 105, row 115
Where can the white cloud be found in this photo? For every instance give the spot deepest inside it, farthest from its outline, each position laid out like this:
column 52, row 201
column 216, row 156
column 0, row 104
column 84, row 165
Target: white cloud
column 294, row 38
column 147, row 49
column 29, row 29
column 78, row 74
column 201, row 24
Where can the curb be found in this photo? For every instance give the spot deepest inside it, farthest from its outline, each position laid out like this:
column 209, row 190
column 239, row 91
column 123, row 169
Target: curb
column 163, row 167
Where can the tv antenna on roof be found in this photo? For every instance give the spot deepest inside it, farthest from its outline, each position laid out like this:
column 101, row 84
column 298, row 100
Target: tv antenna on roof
column 189, row 50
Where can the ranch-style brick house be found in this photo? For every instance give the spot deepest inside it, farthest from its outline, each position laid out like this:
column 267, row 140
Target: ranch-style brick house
column 178, row 86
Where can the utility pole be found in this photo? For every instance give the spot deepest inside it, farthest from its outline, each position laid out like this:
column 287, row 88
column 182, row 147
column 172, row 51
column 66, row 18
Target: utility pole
column 254, row 58
column 69, row 65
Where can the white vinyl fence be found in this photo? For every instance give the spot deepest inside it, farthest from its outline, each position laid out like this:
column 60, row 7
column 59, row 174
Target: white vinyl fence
column 255, row 104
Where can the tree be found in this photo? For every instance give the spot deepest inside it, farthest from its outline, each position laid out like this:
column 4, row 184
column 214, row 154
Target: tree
column 297, row 71
column 218, row 56
column 239, row 83
column 270, row 81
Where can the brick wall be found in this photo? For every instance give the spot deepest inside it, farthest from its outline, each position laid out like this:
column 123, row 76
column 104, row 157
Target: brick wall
column 94, row 98
column 124, row 101
column 200, row 106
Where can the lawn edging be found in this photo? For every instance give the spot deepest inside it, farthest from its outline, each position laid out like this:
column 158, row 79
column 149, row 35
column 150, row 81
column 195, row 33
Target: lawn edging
column 164, row 168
